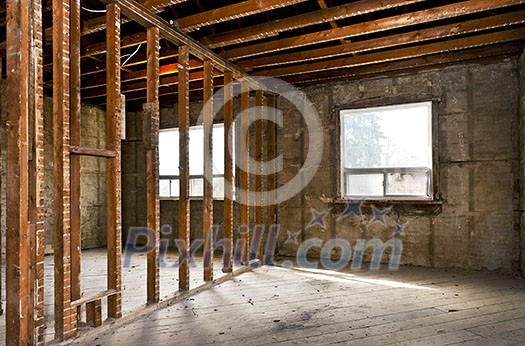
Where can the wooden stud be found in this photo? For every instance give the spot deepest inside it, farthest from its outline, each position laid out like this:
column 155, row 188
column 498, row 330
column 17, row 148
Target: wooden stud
column 418, row 36
column 94, row 313
column 152, row 164
column 228, row 173
column 184, row 181
column 269, row 29
column 375, row 26
column 272, row 155
column 65, row 327
column 113, row 114
column 245, row 170
column 259, row 159
column 36, row 173
column 207, row 217
column 75, row 159
column 401, row 53
column 18, row 254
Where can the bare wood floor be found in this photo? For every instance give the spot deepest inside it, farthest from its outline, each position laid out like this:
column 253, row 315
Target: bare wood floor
column 271, row 305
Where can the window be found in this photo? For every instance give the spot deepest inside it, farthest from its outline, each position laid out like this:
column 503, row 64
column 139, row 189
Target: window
column 169, row 162
column 386, row 152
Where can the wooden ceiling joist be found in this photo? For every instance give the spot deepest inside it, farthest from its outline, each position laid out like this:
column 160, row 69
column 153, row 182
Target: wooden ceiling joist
column 147, row 18
column 326, row 15
column 456, row 29
column 384, row 24
column 223, row 14
column 479, row 54
column 399, row 54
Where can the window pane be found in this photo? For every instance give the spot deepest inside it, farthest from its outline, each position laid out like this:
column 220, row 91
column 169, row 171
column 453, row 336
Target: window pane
column 407, row 184
column 196, row 187
column 169, row 152
column 196, row 150
column 364, row 185
column 175, row 188
column 392, row 136
column 164, row 188
column 218, row 149
column 218, row 187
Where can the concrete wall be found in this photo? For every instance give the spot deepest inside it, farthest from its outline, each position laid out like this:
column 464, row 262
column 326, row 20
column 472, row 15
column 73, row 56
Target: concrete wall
column 93, row 189
column 479, row 154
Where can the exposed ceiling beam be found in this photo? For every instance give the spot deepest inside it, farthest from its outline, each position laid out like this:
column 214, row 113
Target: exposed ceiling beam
column 99, row 23
column 275, row 27
column 399, row 54
column 477, row 55
column 226, row 13
column 384, row 24
column 147, row 18
column 443, row 31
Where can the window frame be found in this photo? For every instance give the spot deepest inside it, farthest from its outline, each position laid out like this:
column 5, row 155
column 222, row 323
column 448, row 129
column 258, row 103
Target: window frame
column 169, row 178
column 384, row 102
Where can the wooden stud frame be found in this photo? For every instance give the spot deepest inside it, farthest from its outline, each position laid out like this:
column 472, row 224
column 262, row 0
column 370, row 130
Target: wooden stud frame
column 24, row 219
column 259, row 159
column 207, row 217
column 151, row 116
column 245, row 171
column 272, row 154
column 113, row 115
column 228, row 174
column 184, row 180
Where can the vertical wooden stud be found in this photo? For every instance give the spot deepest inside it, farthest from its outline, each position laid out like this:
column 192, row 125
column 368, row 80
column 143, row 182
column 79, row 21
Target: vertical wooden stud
column 75, row 159
column 245, row 170
column 184, row 200
column 36, row 175
column 152, row 164
column 228, row 173
column 207, row 217
column 272, row 152
column 61, row 162
column 259, row 158
column 18, row 255
column 113, row 114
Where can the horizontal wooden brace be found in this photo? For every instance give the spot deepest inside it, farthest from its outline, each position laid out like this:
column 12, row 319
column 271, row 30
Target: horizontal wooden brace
column 103, row 294
column 91, row 152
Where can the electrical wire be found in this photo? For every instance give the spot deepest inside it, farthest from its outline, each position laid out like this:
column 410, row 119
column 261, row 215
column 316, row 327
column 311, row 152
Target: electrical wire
column 131, row 55
column 93, row 11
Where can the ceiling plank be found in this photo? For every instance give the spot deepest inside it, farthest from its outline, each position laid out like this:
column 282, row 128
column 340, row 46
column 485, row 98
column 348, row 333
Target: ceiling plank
column 443, row 31
column 273, row 28
column 383, row 24
column 399, row 54
column 226, row 13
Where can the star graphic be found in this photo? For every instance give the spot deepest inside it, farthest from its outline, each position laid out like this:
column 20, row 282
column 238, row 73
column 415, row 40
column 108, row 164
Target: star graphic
column 379, row 215
column 353, row 206
column 318, row 217
column 399, row 229
column 293, row 237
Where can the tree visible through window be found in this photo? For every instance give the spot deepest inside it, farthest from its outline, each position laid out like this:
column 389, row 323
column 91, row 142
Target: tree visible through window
column 169, row 161
column 387, row 152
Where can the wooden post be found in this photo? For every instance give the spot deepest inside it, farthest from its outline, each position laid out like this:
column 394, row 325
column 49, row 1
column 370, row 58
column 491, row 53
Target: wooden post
column 207, row 217
column 184, row 198
column 152, row 164
column 64, row 326
column 21, row 77
column 228, row 173
column 272, row 153
column 259, row 158
column 113, row 114
column 75, row 159
column 245, row 171
column 36, row 175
